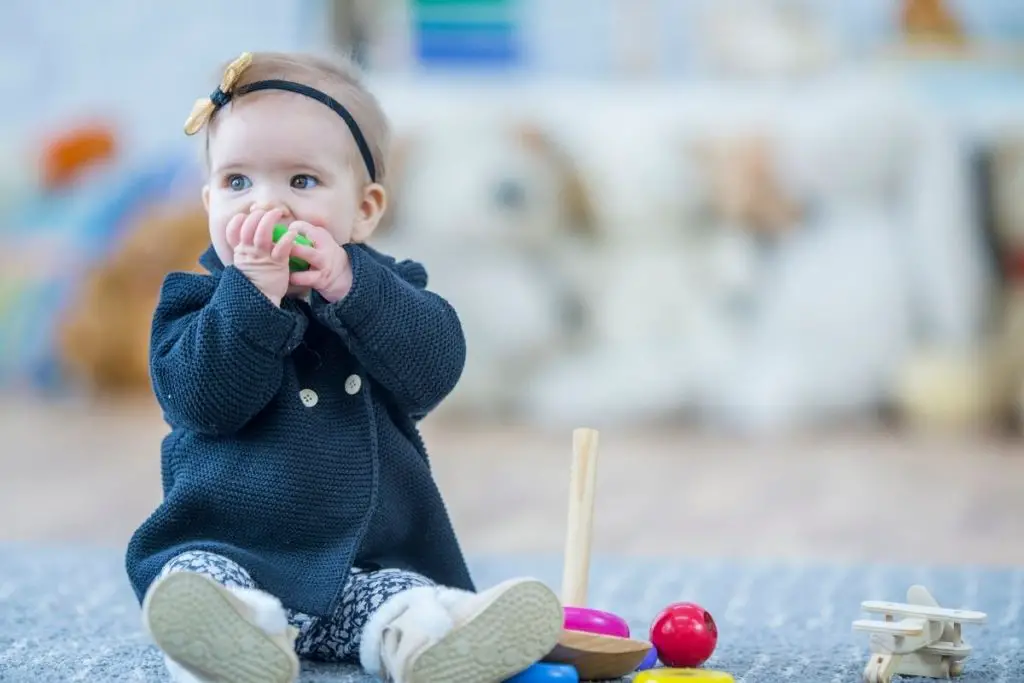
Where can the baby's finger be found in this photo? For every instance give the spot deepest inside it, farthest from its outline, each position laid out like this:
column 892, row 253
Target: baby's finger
column 304, row 278
column 315, row 233
column 311, row 255
column 284, row 246
column 248, row 231
column 264, row 237
column 233, row 230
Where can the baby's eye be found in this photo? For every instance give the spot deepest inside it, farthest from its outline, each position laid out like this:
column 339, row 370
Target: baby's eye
column 238, row 182
column 304, row 181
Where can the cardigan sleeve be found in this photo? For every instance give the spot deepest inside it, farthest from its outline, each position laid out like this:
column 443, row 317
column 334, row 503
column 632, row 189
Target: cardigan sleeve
column 217, row 350
column 409, row 339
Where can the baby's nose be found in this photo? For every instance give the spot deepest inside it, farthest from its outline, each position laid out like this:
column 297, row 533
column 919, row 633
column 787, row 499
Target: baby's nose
column 270, row 206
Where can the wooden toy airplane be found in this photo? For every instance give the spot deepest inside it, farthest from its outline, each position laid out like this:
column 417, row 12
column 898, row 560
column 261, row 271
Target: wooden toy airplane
column 926, row 641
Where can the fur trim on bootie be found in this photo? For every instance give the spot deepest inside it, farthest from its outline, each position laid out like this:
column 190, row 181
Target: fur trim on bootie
column 430, row 614
column 267, row 612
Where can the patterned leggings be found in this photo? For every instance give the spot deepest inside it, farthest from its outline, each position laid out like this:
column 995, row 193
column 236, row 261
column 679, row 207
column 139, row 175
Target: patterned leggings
column 329, row 640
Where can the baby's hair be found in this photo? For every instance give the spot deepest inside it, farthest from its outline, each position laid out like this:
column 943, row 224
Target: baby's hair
column 338, row 76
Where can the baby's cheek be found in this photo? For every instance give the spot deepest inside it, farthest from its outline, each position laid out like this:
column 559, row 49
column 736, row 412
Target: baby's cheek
column 332, row 224
column 220, row 244
column 225, row 254
column 340, row 227
column 328, row 213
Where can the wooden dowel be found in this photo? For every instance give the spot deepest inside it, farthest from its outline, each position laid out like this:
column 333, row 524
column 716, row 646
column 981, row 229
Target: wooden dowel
column 582, row 485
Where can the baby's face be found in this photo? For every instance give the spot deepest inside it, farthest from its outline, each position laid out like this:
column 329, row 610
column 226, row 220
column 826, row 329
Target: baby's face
column 285, row 151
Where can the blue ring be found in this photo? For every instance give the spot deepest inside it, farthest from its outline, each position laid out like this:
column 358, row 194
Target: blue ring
column 541, row 672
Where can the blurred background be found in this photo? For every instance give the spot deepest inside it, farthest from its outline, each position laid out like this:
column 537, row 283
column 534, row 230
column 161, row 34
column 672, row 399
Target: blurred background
column 772, row 249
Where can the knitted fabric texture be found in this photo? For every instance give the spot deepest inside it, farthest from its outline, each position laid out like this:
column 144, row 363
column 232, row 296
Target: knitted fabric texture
column 293, row 448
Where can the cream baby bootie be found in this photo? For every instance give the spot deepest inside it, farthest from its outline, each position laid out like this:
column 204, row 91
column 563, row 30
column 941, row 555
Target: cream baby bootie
column 209, row 632
column 442, row 635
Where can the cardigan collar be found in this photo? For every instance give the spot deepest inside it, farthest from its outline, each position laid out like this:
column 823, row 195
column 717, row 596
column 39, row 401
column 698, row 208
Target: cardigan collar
column 211, row 261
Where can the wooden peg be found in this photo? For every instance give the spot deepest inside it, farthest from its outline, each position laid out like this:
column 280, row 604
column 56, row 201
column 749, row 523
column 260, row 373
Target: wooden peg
column 579, row 532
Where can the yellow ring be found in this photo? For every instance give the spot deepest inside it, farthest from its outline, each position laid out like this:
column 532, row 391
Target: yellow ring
column 689, row 675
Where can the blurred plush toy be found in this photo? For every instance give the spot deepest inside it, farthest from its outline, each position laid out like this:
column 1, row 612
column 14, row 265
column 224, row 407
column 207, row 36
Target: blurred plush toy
column 1008, row 347
column 665, row 275
column 103, row 341
column 67, row 154
column 982, row 385
column 831, row 322
column 489, row 208
column 931, row 22
column 30, row 171
column 958, row 376
column 745, row 187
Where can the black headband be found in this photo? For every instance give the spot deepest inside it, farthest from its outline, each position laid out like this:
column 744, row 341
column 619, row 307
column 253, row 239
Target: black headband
column 220, row 98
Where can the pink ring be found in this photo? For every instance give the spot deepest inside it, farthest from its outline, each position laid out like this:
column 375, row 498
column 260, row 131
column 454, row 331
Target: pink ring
column 595, row 621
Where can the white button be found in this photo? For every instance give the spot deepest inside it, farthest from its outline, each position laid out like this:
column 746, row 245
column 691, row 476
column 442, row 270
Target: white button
column 308, row 398
column 353, row 383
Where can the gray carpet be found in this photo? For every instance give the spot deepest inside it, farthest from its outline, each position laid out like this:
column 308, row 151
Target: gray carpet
column 67, row 614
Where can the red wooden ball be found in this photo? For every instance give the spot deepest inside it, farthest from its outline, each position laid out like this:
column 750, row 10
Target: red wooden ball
column 684, row 634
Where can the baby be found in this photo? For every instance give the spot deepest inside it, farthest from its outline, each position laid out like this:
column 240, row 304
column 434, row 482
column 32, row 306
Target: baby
column 300, row 518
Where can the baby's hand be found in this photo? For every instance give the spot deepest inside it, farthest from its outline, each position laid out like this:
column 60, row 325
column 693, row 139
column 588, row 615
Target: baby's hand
column 330, row 272
column 265, row 263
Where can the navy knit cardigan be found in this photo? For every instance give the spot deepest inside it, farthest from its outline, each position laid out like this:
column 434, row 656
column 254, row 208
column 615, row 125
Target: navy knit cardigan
column 293, row 448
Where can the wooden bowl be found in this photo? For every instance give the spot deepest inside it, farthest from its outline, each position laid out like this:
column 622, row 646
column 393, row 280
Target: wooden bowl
column 598, row 657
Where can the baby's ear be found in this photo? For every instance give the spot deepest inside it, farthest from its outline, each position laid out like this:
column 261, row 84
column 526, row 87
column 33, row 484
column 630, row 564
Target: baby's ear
column 372, row 208
column 206, row 197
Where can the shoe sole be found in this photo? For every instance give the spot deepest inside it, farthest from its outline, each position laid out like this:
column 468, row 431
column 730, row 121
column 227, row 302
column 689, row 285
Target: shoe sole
column 518, row 628
column 196, row 622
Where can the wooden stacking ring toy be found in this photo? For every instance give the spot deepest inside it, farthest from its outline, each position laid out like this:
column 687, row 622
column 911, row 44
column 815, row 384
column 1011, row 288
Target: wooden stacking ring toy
column 683, row 676
column 595, row 656
column 650, row 661
column 595, row 621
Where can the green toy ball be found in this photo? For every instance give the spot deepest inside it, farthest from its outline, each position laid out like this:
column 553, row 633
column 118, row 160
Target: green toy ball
column 293, row 262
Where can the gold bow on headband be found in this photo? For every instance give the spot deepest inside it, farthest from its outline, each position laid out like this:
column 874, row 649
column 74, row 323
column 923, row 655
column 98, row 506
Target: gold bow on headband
column 204, row 108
